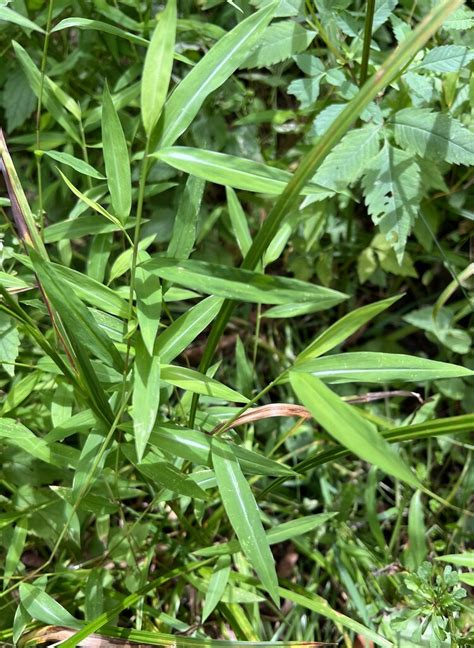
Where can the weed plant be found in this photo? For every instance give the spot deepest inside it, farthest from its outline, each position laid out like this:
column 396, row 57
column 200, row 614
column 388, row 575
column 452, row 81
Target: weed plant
column 234, row 322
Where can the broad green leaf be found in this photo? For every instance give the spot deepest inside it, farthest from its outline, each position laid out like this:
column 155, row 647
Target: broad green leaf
column 19, row 101
column 347, row 426
column 195, row 446
column 244, row 516
column 465, row 559
column 198, row 383
column 392, row 190
column 117, row 165
column 446, row 58
column 9, row 343
column 348, row 160
column 417, row 550
column 367, row 366
column 43, row 607
column 230, row 593
column 433, row 135
column 98, row 25
column 238, row 220
column 145, row 396
column 343, row 328
column 73, row 162
column 231, row 171
column 180, row 333
column 305, row 90
column 280, row 41
column 210, row 73
column 12, row 282
column 149, row 298
column 216, row 587
column 185, row 224
column 383, row 10
column 243, row 285
column 157, row 68
column 8, row 15
column 280, row 533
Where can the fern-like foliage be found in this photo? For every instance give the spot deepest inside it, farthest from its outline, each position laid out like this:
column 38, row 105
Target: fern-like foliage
column 348, row 160
column 279, row 42
column 392, row 190
column 434, row 135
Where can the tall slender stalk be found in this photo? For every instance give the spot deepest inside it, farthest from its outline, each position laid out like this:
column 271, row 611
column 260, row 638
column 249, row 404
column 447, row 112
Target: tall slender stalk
column 38, row 114
column 369, row 21
column 315, row 157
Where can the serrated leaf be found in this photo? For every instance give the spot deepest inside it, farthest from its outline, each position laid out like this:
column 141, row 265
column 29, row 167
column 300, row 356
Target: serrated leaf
column 279, row 42
column 462, row 18
column 305, row 90
column 434, row 135
column 244, row 516
column 383, row 9
column 392, row 188
column 348, row 160
column 446, row 58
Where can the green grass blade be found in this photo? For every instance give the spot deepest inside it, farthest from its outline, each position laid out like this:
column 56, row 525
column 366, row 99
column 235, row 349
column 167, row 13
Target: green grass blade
column 145, row 395
column 210, row 73
column 379, row 368
column 244, row 285
column 44, row 608
column 117, row 165
column 157, row 68
column 185, row 224
column 233, row 171
column 243, row 514
column 343, row 328
column 348, row 428
column 179, row 335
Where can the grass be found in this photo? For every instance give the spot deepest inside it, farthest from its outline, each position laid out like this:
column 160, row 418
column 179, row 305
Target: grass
column 235, row 324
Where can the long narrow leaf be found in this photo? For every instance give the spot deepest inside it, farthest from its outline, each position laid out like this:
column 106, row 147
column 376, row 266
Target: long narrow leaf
column 242, row 510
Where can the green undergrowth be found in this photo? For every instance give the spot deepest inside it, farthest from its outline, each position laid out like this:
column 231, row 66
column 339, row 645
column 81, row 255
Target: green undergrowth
column 235, row 364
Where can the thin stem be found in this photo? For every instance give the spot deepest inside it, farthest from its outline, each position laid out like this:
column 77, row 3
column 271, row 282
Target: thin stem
column 38, row 115
column 133, row 268
column 369, row 21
